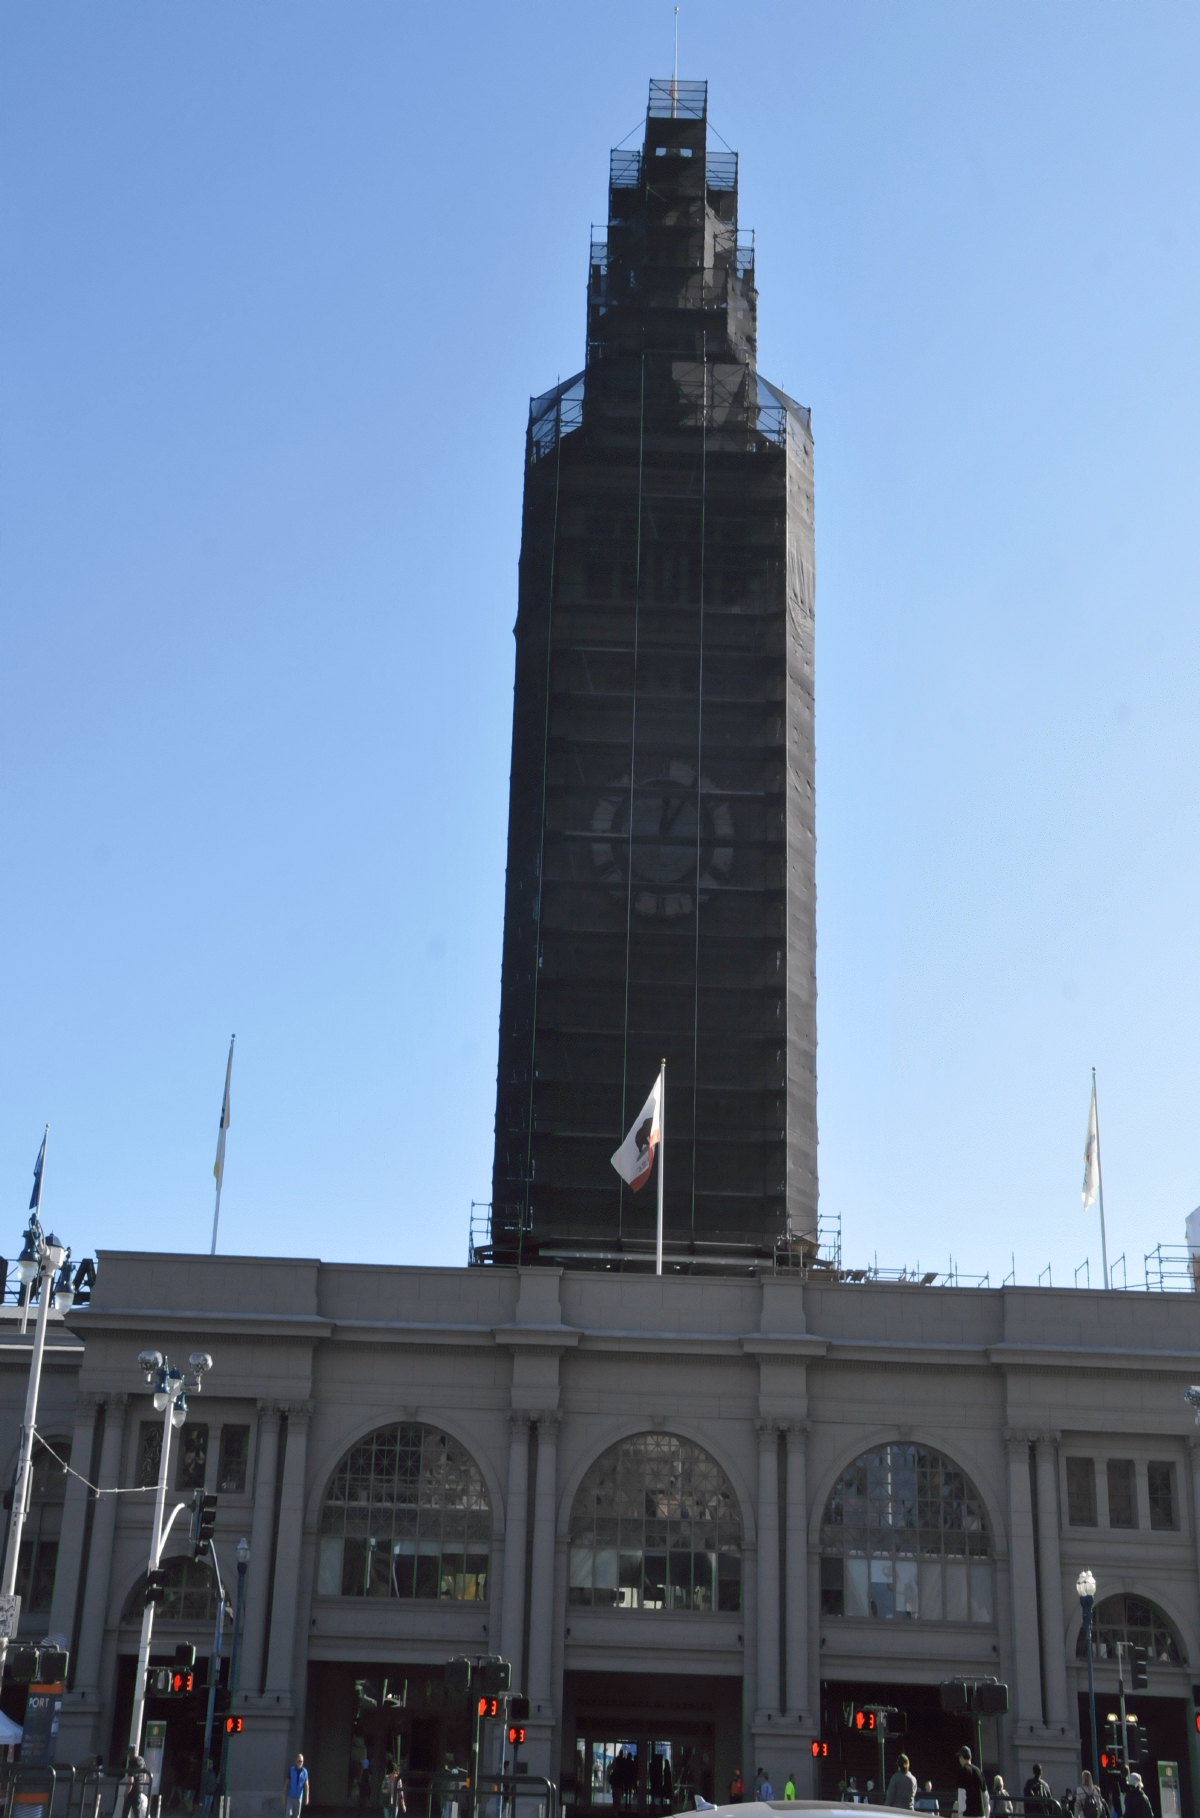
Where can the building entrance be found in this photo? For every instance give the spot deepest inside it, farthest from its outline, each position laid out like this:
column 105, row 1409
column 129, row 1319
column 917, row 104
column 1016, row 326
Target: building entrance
column 642, row 1744
column 645, row 1773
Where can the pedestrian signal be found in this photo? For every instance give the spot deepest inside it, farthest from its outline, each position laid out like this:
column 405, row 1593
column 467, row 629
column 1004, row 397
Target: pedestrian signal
column 518, row 1707
column 488, row 1707
column 864, row 1720
column 182, row 1682
column 233, row 1726
column 516, row 1734
column 819, row 1750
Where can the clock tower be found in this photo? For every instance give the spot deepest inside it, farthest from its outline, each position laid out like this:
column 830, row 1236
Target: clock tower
column 660, row 898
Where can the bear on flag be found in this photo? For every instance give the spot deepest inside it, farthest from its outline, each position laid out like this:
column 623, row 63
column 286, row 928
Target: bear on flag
column 634, row 1160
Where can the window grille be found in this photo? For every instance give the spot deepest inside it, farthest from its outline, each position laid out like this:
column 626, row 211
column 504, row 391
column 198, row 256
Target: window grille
column 191, row 1592
column 905, row 1536
column 406, row 1515
column 656, row 1526
column 1137, row 1622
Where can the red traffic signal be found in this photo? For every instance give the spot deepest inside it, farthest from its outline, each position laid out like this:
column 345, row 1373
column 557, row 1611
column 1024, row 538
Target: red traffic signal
column 864, row 1720
column 516, row 1734
column 488, row 1707
column 233, row 1726
column 819, row 1750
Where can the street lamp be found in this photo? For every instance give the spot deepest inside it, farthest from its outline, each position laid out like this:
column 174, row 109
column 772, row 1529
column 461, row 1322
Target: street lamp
column 1085, row 1585
column 235, row 1658
column 41, row 1258
column 171, row 1390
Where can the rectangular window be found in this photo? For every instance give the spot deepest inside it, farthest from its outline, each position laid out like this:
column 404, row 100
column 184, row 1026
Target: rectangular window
column 856, row 1588
column 1122, row 1493
column 35, row 1587
column 193, row 1455
column 729, row 1582
column 329, row 1567
column 957, row 1606
column 1081, row 1492
column 149, row 1452
column 1160, row 1480
column 235, row 1453
column 833, row 1596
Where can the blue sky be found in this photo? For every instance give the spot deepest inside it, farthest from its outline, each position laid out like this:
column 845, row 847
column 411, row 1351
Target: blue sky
column 276, row 283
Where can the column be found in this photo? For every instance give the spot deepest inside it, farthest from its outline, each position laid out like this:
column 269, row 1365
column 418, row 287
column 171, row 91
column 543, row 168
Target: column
column 95, row 1595
column 541, row 1591
column 261, row 1538
column 1022, row 1574
column 1054, row 1645
column 796, row 1554
column 768, row 1565
column 74, row 1521
column 287, row 1550
column 512, row 1600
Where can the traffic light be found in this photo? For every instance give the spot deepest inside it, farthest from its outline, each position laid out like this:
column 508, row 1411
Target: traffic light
column 518, row 1707
column 1138, row 1660
column 204, row 1523
column 52, row 1665
column 233, row 1726
column 156, row 1589
column 492, row 1677
column 864, row 1720
column 516, row 1735
column 487, row 1707
column 956, row 1695
column 819, row 1750
column 183, row 1681
column 22, row 1665
column 990, row 1699
column 458, row 1680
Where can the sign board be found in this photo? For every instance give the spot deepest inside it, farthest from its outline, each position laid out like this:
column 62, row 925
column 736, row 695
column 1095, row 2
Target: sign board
column 1168, row 1789
column 40, row 1733
column 10, row 1616
column 152, row 1753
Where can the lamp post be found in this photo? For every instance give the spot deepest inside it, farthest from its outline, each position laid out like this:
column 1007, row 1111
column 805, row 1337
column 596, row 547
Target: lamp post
column 235, row 1657
column 170, row 1399
column 1085, row 1585
column 40, row 1258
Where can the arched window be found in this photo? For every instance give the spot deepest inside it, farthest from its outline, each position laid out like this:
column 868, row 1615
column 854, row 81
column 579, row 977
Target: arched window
column 191, row 1592
column 656, row 1526
column 905, row 1535
column 407, row 1515
column 1140, row 1623
column 37, row 1562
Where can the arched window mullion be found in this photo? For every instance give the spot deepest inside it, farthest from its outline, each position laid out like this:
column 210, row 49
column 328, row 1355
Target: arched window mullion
column 905, row 1535
column 656, row 1525
column 406, row 1515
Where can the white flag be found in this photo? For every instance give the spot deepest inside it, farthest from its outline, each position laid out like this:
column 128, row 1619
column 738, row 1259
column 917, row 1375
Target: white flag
column 634, row 1160
column 1091, row 1156
column 219, row 1164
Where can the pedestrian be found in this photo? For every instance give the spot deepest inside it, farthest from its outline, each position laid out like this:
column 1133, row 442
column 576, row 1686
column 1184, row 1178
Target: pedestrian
column 295, row 1792
column 926, row 1802
column 393, row 1792
column 1136, row 1803
column 364, row 1778
column 851, row 1794
column 766, row 1791
column 971, row 1791
column 1038, row 1797
column 789, row 1785
column 737, row 1790
column 1002, row 1805
column 1089, row 1800
column 136, row 1786
column 902, row 1787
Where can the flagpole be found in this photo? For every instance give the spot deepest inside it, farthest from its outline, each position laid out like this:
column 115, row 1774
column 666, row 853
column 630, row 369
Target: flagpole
column 1100, row 1184
column 662, row 1144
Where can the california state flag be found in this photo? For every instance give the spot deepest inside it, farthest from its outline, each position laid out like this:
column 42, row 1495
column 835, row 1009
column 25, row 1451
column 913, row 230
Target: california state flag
column 634, row 1160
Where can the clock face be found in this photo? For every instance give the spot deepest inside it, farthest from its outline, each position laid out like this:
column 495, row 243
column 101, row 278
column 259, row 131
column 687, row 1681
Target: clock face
column 664, row 838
